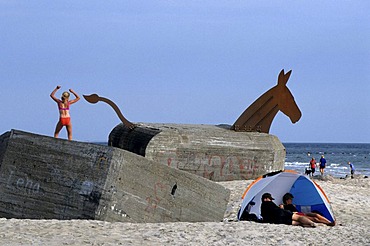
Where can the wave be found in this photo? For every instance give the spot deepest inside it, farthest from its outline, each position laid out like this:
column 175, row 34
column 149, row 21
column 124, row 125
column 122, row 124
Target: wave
column 296, row 163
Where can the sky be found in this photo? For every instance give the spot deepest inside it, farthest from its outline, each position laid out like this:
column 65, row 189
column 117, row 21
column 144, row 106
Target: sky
column 186, row 62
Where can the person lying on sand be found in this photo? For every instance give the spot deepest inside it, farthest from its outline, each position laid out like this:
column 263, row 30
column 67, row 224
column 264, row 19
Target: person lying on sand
column 315, row 217
column 271, row 213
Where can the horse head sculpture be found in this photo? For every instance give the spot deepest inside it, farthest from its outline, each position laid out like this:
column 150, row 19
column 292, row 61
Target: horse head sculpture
column 259, row 115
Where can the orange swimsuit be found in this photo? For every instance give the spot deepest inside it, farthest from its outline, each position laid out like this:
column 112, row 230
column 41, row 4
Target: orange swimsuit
column 65, row 121
column 60, row 108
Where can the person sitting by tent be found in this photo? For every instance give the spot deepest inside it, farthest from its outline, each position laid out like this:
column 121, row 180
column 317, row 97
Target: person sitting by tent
column 271, row 213
column 315, row 217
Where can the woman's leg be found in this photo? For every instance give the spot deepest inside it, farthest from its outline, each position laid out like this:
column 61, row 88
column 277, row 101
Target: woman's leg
column 319, row 219
column 302, row 220
column 57, row 129
column 69, row 131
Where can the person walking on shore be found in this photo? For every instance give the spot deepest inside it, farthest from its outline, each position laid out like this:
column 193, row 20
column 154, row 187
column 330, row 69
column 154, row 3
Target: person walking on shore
column 352, row 167
column 322, row 164
column 63, row 106
column 313, row 166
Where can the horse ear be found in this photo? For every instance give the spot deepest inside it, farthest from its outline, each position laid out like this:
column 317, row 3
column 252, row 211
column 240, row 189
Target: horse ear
column 283, row 78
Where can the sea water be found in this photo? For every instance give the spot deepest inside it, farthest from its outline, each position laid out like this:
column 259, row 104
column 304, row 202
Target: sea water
column 337, row 155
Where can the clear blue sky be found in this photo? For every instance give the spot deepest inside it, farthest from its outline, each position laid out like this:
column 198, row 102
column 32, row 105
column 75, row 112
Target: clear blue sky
column 196, row 62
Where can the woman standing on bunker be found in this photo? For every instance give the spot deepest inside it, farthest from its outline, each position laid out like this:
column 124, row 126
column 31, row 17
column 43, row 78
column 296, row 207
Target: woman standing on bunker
column 63, row 106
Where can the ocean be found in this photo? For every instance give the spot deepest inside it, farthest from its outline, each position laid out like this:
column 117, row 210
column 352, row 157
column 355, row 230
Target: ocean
column 337, row 155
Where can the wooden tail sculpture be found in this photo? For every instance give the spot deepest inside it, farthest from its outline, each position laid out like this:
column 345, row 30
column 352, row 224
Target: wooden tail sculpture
column 94, row 98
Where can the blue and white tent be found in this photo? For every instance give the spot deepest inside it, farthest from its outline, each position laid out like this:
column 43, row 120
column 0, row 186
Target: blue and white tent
column 308, row 196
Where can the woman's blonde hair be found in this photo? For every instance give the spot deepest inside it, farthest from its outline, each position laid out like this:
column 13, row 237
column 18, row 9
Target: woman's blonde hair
column 65, row 95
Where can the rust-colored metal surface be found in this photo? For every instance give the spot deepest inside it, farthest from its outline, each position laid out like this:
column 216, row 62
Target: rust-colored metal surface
column 259, row 115
column 94, row 98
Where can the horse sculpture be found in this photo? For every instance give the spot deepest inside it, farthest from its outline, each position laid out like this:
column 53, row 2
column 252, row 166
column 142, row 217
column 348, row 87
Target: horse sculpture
column 215, row 152
column 256, row 118
column 259, row 115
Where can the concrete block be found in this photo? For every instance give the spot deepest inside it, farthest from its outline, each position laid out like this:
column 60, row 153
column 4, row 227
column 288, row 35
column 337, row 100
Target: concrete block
column 46, row 178
column 212, row 152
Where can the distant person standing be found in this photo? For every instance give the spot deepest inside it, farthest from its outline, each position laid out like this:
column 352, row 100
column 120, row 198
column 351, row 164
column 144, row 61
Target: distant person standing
column 352, row 167
column 63, row 106
column 313, row 166
column 322, row 164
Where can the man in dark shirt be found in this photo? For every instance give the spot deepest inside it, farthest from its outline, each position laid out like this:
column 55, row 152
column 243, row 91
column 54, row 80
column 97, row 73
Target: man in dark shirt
column 271, row 213
column 322, row 164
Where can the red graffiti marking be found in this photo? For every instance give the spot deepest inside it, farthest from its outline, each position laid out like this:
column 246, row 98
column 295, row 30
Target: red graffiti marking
column 211, row 166
column 154, row 201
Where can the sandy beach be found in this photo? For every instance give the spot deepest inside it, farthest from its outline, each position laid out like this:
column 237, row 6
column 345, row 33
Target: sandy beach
column 349, row 198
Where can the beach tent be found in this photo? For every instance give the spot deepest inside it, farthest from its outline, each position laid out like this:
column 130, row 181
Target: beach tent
column 308, row 196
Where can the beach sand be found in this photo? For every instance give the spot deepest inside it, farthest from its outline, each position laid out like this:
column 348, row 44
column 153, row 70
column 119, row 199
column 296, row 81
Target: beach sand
column 349, row 198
